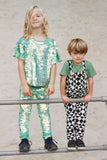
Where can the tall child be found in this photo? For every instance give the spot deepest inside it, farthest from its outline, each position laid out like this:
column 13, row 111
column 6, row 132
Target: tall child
column 37, row 57
column 76, row 82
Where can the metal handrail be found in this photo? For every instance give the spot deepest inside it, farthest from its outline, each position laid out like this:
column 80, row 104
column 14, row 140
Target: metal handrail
column 60, row 150
column 56, row 100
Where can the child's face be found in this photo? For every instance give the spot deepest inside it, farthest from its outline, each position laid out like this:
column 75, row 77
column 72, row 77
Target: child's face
column 36, row 19
column 77, row 57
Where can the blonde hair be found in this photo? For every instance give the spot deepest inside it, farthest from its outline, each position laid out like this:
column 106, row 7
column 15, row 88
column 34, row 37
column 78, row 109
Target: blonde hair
column 27, row 24
column 77, row 45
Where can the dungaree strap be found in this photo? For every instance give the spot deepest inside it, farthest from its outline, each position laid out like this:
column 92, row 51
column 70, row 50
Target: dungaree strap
column 70, row 66
column 84, row 65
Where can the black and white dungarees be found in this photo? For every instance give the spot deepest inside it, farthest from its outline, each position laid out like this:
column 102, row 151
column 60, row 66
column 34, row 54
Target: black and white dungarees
column 76, row 87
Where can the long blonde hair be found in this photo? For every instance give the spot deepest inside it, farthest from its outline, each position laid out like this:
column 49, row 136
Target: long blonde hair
column 27, row 24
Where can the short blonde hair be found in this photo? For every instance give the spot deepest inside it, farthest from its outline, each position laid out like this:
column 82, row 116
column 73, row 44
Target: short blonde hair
column 77, row 45
column 27, row 24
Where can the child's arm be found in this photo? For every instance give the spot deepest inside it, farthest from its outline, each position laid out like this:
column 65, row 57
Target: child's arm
column 90, row 90
column 62, row 89
column 51, row 88
column 25, row 88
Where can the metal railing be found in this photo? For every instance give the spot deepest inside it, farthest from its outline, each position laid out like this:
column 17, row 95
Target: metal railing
column 57, row 100
column 42, row 101
column 60, row 150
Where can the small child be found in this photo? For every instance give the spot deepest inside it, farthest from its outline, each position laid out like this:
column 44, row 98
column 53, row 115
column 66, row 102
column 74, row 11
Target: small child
column 37, row 57
column 76, row 82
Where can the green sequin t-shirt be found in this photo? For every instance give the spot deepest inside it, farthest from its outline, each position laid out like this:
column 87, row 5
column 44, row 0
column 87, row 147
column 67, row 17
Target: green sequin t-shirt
column 38, row 58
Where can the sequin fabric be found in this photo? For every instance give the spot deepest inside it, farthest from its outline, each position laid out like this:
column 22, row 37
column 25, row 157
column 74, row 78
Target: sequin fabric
column 43, row 112
column 38, row 57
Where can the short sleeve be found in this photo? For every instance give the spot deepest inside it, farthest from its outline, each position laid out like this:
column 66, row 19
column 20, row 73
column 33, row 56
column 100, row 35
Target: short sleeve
column 18, row 51
column 55, row 54
column 65, row 69
column 90, row 70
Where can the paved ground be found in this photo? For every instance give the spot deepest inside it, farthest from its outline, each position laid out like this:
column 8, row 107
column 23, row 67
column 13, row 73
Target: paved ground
column 68, row 19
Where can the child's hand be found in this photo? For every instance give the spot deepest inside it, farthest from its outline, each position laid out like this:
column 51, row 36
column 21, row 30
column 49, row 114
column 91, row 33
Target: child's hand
column 26, row 90
column 65, row 99
column 50, row 90
column 87, row 98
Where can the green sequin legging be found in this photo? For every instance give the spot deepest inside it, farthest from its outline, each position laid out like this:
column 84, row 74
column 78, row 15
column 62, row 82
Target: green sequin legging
column 43, row 112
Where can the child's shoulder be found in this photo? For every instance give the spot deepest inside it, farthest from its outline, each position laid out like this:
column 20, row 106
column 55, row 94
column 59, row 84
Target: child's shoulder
column 51, row 39
column 22, row 40
column 66, row 63
column 88, row 63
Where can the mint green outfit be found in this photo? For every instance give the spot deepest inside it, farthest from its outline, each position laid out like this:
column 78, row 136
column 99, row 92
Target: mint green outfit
column 38, row 58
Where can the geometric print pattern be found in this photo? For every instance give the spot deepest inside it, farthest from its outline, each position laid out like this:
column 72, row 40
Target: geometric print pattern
column 76, row 83
column 76, row 87
column 76, row 120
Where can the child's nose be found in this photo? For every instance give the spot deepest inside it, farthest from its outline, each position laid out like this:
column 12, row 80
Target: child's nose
column 34, row 17
column 78, row 55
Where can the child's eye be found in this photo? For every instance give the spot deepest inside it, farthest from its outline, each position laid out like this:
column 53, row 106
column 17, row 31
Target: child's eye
column 75, row 53
column 81, row 53
column 37, row 15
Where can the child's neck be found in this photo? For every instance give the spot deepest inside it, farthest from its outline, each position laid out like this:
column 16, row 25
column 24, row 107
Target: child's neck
column 38, row 35
column 76, row 63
